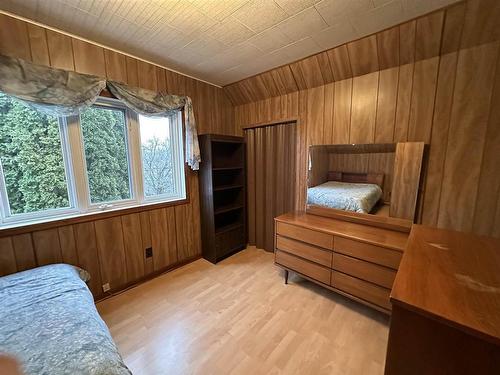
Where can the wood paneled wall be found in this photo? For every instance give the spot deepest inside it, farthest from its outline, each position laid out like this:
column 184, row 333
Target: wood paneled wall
column 213, row 110
column 460, row 26
column 449, row 100
column 112, row 249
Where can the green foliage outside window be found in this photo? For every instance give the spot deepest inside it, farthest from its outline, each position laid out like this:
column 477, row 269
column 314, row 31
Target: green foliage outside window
column 31, row 156
column 106, row 154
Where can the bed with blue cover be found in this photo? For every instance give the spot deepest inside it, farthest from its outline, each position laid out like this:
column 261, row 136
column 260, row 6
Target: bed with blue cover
column 49, row 323
column 356, row 197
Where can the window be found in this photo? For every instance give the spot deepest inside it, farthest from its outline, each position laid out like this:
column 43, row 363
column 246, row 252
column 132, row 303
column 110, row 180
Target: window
column 106, row 154
column 108, row 157
column 159, row 154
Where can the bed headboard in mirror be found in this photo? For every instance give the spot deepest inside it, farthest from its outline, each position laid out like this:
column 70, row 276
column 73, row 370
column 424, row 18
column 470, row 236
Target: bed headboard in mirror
column 380, row 179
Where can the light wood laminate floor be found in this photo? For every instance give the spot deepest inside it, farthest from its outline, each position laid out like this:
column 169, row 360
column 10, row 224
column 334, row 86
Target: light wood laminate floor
column 238, row 317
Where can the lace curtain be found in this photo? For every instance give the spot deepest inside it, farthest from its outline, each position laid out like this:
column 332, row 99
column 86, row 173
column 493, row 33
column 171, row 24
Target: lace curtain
column 63, row 93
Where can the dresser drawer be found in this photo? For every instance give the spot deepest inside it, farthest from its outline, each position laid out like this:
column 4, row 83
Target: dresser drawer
column 301, row 249
column 371, row 253
column 305, row 235
column 364, row 270
column 361, row 289
column 313, row 270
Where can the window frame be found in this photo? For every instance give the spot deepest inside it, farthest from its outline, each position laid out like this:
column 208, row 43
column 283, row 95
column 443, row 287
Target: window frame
column 7, row 217
column 72, row 147
column 178, row 161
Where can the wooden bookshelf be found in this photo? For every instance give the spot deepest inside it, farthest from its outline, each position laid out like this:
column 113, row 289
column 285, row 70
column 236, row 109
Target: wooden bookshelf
column 222, row 196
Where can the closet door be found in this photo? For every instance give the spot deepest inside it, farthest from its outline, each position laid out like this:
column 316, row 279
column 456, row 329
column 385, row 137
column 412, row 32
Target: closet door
column 271, row 153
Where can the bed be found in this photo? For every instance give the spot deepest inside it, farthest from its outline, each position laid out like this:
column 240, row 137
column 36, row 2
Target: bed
column 357, row 192
column 49, row 323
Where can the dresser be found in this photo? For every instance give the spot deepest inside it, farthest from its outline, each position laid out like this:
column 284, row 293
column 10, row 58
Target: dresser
column 446, row 305
column 359, row 261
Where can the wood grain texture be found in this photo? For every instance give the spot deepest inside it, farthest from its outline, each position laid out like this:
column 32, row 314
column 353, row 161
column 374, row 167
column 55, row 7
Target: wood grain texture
column 116, row 66
column 386, row 105
column 439, row 137
column 487, row 213
column 315, row 110
column 388, row 48
column 89, row 58
column 23, row 249
column 132, row 71
column 329, row 100
column 453, row 26
column 67, row 242
column 407, row 34
column 132, row 242
column 306, row 72
column 14, row 39
column 342, row 111
column 422, row 100
column 364, row 108
column 146, row 241
column 147, row 75
column 60, row 51
column 471, row 259
column 405, row 88
column 304, row 250
column 361, row 289
column 38, row 45
column 481, row 23
column 428, row 35
column 340, row 63
column 111, row 249
column 7, row 257
column 355, row 335
column 363, row 55
column 163, row 237
column 462, row 25
column 469, row 119
column 382, row 276
column 86, row 246
column 405, row 184
column 47, row 247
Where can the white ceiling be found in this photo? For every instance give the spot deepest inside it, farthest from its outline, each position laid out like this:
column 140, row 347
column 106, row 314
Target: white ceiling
column 221, row 41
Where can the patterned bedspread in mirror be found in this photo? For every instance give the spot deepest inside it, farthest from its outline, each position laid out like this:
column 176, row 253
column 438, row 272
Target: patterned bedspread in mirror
column 345, row 196
column 49, row 322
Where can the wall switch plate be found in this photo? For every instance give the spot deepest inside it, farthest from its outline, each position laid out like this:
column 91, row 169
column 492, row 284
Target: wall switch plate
column 106, row 287
column 149, row 252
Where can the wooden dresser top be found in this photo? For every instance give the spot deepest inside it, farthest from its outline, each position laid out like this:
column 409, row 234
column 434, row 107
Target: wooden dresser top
column 364, row 233
column 452, row 277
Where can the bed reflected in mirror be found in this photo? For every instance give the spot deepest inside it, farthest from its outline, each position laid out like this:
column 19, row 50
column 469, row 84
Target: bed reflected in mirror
column 375, row 179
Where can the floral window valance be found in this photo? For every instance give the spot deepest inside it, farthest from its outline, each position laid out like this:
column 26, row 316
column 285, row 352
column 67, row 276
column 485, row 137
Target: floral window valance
column 63, row 93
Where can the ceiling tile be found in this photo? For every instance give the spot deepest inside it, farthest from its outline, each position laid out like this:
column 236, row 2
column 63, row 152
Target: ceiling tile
column 379, row 18
column 336, row 35
column 218, row 9
column 299, row 49
column 270, row 40
column 226, row 40
column 188, row 19
column 231, row 31
column 336, row 11
column 415, row 8
column 205, row 46
column 295, row 6
column 302, row 24
column 258, row 15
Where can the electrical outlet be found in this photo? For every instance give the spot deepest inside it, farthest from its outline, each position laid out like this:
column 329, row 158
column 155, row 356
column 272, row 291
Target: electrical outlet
column 149, row 252
column 106, row 288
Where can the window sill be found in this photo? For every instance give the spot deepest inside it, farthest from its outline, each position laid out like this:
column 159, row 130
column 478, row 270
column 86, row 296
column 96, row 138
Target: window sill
column 20, row 228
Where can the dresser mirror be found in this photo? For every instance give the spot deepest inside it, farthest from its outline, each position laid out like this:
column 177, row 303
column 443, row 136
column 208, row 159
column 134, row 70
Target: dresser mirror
column 382, row 180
